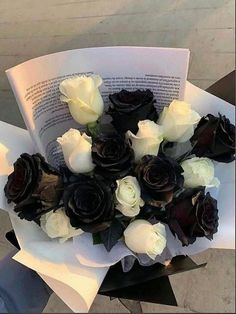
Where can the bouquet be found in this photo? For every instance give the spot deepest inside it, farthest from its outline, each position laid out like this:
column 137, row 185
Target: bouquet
column 133, row 183
column 93, row 187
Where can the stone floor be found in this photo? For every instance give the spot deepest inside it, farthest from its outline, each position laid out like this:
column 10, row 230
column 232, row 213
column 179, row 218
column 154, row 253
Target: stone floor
column 29, row 29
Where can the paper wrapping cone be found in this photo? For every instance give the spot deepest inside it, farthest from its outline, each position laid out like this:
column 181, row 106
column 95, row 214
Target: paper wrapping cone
column 75, row 284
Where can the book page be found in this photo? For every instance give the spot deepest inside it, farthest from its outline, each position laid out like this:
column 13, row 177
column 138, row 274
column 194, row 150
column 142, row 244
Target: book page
column 36, row 85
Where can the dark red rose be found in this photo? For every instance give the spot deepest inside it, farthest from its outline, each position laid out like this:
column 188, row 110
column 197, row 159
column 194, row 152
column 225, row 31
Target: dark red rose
column 112, row 155
column 89, row 203
column 128, row 108
column 159, row 177
column 193, row 214
column 214, row 138
column 34, row 186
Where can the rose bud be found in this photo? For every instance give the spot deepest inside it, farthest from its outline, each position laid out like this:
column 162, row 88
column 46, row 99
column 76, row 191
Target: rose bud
column 159, row 177
column 76, row 151
column 199, row 172
column 193, row 215
column 89, row 203
column 147, row 140
column 57, row 225
column 214, row 138
column 128, row 108
column 178, row 121
column 128, row 196
column 112, row 155
column 143, row 237
column 34, row 186
column 83, row 97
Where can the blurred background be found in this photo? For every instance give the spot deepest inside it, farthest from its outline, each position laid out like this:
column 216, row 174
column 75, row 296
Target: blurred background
column 30, row 28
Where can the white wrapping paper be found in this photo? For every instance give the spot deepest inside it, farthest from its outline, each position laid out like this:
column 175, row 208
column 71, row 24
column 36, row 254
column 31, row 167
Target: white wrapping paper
column 60, row 265
column 75, row 284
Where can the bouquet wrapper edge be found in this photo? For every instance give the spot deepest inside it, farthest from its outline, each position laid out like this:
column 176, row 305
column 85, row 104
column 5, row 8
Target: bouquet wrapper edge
column 13, row 142
column 132, row 285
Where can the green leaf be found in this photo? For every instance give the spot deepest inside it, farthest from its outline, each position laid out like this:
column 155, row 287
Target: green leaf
column 93, row 128
column 97, row 238
column 111, row 235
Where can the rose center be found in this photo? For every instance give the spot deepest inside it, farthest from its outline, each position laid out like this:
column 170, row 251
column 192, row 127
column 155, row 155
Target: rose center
column 127, row 193
column 110, row 150
column 156, row 176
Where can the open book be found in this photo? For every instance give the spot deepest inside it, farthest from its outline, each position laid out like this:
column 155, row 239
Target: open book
column 36, row 85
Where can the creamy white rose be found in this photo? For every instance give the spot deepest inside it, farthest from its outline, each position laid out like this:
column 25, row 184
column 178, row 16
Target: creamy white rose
column 57, row 225
column 147, row 140
column 77, row 151
column 199, row 172
column 143, row 237
column 83, row 97
column 178, row 121
column 128, row 196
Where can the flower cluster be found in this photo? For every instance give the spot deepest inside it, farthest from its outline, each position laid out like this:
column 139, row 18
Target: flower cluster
column 121, row 183
column 34, row 186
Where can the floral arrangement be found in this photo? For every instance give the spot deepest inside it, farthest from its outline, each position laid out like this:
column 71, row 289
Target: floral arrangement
column 130, row 179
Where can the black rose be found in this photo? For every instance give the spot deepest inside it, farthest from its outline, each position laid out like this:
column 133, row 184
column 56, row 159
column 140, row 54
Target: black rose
column 128, row 108
column 159, row 177
column 89, row 203
column 34, row 186
column 214, row 138
column 193, row 214
column 112, row 155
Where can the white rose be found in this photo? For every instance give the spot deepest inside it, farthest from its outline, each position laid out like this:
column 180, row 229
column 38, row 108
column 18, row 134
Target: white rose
column 178, row 121
column 128, row 196
column 83, row 97
column 199, row 172
column 147, row 140
column 77, row 151
column 57, row 225
column 143, row 237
